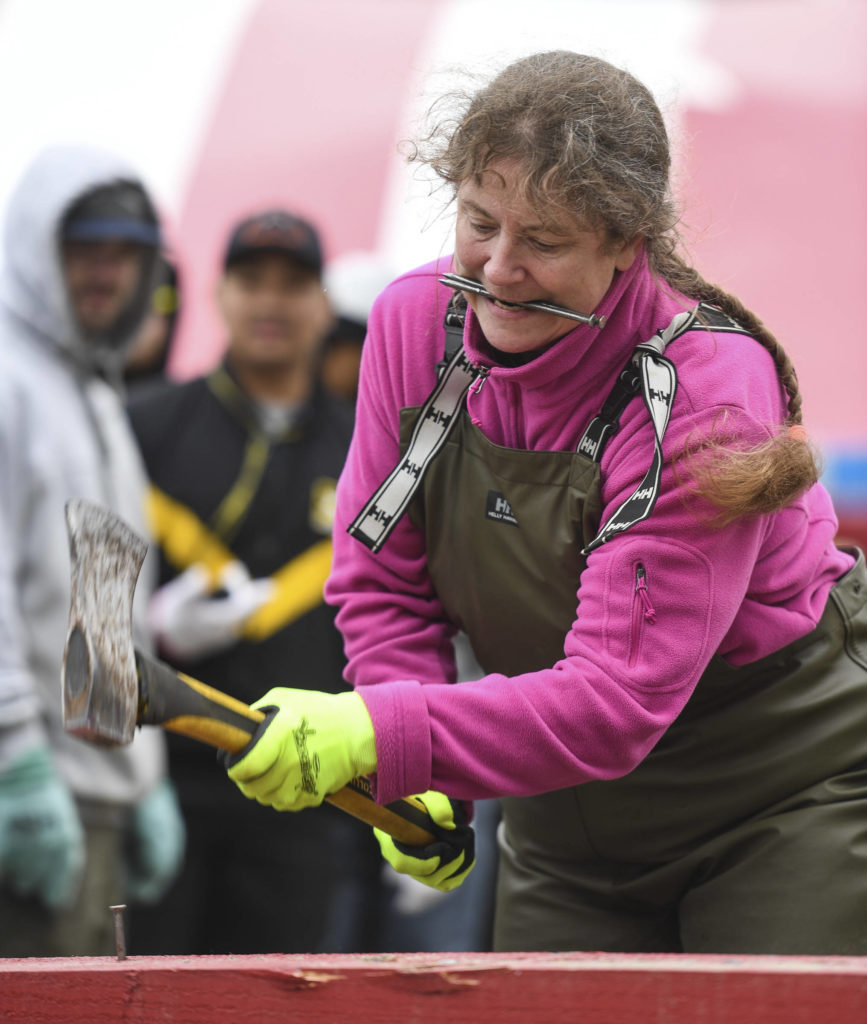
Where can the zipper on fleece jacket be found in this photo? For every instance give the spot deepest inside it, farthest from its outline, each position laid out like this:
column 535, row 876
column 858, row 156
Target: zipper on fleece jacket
column 483, row 373
column 510, row 394
column 642, row 612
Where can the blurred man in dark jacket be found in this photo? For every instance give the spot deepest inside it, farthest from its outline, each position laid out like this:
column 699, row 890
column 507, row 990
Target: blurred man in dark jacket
column 243, row 465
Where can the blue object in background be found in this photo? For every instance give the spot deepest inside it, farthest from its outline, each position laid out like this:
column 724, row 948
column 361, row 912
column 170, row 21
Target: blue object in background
column 845, row 476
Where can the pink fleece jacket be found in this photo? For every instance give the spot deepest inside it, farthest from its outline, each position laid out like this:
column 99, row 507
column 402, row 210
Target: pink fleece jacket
column 742, row 591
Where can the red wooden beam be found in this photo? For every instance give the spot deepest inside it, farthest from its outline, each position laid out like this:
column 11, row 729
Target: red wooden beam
column 589, row 988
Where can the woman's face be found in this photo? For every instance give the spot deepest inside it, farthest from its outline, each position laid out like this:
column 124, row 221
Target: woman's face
column 520, row 256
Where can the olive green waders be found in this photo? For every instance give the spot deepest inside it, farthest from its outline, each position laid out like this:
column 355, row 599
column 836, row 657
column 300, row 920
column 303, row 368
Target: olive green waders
column 745, row 829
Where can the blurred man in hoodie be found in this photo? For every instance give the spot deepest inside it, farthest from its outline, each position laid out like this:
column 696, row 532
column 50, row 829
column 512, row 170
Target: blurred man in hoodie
column 81, row 827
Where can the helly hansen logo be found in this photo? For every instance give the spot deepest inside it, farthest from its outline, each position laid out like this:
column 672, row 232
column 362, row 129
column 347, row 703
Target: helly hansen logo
column 499, row 509
column 588, row 446
column 438, row 416
column 380, row 515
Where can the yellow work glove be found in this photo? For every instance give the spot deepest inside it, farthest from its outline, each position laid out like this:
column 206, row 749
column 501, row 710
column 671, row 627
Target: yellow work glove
column 444, row 863
column 309, row 745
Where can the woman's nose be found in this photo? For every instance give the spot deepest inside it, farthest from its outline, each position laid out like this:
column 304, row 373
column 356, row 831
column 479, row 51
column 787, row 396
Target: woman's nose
column 503, row 265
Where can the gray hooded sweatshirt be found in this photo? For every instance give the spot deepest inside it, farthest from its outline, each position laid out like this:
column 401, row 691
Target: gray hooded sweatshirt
column 63, row 434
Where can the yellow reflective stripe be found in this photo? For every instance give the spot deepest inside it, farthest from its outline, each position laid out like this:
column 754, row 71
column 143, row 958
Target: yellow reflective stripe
column 237, row 501
column 183, row 537
column 299, row 590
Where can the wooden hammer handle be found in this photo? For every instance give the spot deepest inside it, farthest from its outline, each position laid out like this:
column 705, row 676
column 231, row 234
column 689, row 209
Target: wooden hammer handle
column 184, row 705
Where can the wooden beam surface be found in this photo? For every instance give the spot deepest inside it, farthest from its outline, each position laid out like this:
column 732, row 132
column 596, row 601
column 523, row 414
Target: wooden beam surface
column 413, row 988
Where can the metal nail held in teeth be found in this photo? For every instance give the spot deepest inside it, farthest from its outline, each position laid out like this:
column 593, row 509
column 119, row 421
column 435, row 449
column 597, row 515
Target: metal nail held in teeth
column 467, row 284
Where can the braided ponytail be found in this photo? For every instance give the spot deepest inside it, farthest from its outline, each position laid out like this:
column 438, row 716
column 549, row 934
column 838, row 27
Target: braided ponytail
column 769, row 476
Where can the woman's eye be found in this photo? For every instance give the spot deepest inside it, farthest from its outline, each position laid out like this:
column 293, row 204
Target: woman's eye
column 543, row 246
column 480, row 228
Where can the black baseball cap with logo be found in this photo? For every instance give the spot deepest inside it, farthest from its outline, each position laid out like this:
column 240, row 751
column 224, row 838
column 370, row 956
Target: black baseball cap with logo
column 275, row 231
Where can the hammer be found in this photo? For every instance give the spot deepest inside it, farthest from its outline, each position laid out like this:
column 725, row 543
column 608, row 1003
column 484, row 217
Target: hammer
column 110, row 686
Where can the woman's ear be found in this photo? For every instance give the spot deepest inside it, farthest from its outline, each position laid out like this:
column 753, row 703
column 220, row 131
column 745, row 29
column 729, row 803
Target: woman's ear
column 628, row 251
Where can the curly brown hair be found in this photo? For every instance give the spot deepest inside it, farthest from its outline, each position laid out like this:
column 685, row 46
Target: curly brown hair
column 592, row 141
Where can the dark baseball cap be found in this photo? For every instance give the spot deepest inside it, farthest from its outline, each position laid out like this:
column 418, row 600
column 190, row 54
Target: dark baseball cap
column 119, row 211
column 275, row 231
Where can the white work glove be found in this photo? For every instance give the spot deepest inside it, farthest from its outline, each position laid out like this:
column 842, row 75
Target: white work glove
column 189, row 623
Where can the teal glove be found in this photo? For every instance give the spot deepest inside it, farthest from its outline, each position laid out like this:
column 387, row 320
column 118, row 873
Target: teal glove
column 42, row 849
column 155, row 844
column 445, row 863
column 310, row 744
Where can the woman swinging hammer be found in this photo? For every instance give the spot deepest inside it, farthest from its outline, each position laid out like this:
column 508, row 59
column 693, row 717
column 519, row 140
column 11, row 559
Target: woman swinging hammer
column 575, row 449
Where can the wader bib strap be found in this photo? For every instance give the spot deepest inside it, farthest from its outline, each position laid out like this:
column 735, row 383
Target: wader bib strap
column 656, row 378
column 373, row 525
column 658, row 382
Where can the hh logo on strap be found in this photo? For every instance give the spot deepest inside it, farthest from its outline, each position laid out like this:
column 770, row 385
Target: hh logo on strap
column 499, row 509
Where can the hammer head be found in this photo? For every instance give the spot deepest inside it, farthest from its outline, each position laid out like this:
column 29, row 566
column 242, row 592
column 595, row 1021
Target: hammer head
column 100, row 680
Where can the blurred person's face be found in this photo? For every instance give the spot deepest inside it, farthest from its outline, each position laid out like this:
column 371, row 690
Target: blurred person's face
column 101, row 279
column 521, row 255
column 275, row 311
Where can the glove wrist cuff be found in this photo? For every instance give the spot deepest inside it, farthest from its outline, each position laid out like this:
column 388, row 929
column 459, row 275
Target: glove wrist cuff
column 359, row 727
column 33, row 769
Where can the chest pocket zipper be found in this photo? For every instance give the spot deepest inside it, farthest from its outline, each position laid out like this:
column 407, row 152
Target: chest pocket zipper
column 643, row 613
